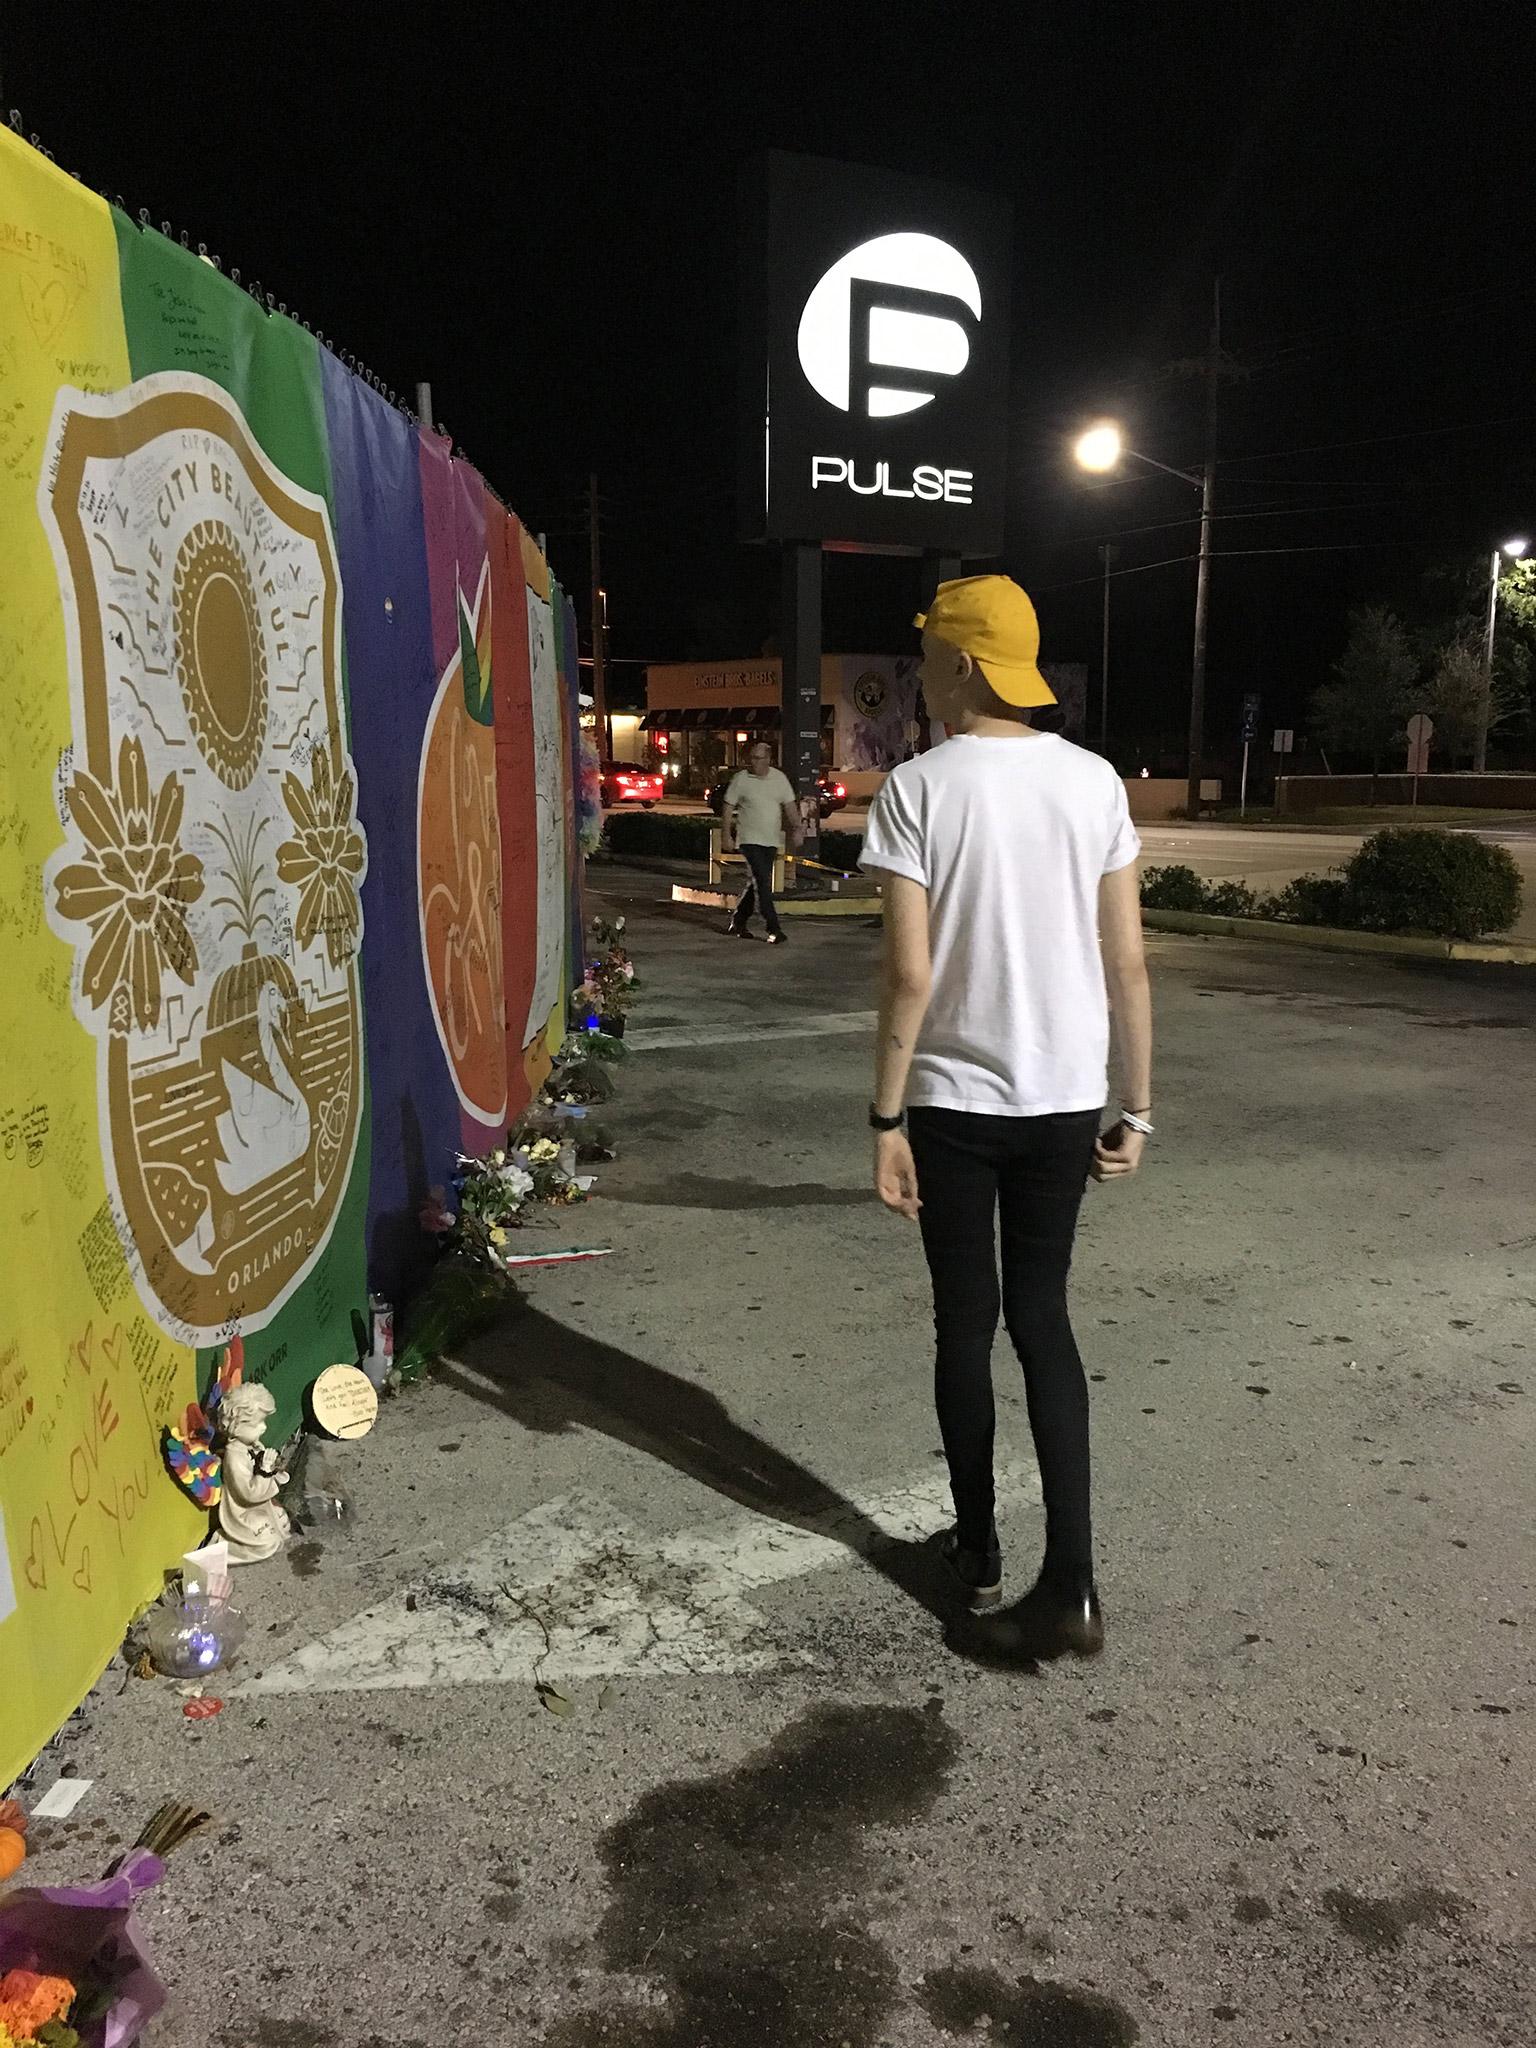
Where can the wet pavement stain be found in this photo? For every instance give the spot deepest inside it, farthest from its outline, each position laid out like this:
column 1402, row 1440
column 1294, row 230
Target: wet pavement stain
column 733, row 1894
column 1029, row 2010
column 1382, row 1923
column 304, row 1559
column 1249, row 1910
column 505, row 1902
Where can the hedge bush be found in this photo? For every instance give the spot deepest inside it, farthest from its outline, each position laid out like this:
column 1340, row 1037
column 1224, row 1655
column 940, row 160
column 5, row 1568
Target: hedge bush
column 659, row 835
column 1409, row 878
column 683, row 835
column 1310, row 899
column 1413, row 878
column 1231, row 899
column 842, row 850
column 1174, row 888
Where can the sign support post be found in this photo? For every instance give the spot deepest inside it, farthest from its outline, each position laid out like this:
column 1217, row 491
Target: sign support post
column 800, row 617
column 938, row 568
column 1250, row 733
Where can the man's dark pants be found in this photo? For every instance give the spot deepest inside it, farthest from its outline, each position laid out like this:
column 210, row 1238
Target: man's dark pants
column 758, row 894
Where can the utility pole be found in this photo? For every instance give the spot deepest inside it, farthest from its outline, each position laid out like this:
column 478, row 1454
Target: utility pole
column 1203, row 572
column 599, row 624
column 424, row 404
column 1109, row 554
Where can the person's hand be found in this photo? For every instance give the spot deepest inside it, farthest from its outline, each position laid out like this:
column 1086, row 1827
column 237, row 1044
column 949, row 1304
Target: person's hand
column 896, row 1174
column 1117, row 1153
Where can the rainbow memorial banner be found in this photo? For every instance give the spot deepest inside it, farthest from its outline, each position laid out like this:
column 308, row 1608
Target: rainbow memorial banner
column 288, row 879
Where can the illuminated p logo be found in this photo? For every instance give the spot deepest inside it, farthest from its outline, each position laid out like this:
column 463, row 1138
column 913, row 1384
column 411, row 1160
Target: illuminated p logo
column 886, row 321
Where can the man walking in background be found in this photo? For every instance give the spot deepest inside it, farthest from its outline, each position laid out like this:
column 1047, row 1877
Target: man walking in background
column 760, row 816
column 1013, row 926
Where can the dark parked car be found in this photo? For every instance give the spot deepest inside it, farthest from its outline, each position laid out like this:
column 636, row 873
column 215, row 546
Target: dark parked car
column 830, row 794
column 623, row 783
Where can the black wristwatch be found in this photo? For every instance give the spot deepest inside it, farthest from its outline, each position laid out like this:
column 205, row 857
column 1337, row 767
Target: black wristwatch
column 877, row 1122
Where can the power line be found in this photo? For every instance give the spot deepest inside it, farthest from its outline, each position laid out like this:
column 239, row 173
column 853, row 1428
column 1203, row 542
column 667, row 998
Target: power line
column 1218, row 555
column 1312, row 341
column 1380, row 440
column 1258, row 512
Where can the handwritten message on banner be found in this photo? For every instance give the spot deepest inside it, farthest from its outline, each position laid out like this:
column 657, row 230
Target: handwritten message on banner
column 286, row 881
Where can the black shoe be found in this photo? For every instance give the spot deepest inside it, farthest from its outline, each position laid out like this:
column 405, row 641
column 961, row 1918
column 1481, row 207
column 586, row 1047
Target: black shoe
column 736, row 931
column 978, row 1573
column 777, row 939
column 1052, row 1620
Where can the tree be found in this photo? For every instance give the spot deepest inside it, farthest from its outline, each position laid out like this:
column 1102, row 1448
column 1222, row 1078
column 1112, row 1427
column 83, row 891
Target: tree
column 1361, row 709
column 1453, row 605
column 1453, row 696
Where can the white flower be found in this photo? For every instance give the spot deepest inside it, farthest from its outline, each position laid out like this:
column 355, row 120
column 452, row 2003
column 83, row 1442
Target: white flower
column 518, row 1184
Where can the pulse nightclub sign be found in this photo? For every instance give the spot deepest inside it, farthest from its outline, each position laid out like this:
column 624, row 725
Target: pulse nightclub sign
column 875, row 360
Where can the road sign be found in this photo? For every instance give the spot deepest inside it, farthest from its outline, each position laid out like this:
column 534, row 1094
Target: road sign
column 1421, row 730
column 1285, row 739
column 1250, row 717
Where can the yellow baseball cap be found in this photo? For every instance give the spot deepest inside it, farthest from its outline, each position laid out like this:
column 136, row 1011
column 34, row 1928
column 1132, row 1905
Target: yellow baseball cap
column 992, row 620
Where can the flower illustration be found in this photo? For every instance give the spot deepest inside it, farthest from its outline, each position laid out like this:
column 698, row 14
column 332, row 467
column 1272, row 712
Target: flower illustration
column 325, row 859
column 131, row 889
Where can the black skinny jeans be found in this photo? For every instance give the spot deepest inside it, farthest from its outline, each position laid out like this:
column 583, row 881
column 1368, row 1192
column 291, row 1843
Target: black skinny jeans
column 1031, row 1170
column 758, row 894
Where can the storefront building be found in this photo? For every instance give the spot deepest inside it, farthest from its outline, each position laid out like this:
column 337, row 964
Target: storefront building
column 702, row 716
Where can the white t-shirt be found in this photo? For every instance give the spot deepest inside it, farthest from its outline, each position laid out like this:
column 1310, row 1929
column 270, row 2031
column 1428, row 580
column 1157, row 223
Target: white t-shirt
column 758, row 801
column 1011, row 838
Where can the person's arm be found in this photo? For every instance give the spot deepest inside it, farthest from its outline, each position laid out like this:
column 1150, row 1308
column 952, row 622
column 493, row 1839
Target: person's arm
column 728, row 819
column 794, row 825
column 906, row 983
column 1130, row 1007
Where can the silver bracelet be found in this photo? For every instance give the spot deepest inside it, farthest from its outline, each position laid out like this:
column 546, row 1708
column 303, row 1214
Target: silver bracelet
column 1136, row 1123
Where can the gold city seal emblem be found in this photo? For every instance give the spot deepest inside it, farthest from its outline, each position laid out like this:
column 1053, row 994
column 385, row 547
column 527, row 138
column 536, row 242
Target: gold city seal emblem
column 209, row 880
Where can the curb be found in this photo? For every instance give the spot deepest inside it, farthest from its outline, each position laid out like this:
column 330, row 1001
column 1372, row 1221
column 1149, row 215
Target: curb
column 1326, row 939
column 816, row 906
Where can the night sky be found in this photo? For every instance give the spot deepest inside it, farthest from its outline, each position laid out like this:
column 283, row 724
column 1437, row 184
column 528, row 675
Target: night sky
column 535, row 209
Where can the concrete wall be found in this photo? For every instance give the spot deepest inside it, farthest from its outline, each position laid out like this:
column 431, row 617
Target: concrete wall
column 1152, row 799
column 1155, row 798
column 1299, row 793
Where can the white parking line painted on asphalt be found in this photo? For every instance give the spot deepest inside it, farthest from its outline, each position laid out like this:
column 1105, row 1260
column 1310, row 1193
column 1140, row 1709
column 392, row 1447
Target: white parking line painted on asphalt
column 687, row 1037
column 570, row 1592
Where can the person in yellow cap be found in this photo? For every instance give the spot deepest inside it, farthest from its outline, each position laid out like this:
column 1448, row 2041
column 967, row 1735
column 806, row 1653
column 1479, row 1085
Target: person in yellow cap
column 1013, row 928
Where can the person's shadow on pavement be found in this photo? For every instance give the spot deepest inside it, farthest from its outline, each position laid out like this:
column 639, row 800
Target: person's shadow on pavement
column 551, row 1378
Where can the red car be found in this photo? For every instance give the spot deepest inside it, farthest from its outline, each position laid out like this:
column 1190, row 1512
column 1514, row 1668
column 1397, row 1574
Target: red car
column 625, row 784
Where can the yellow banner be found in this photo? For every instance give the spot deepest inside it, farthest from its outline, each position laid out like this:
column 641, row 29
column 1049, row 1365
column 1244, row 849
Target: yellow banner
column 88, row 1517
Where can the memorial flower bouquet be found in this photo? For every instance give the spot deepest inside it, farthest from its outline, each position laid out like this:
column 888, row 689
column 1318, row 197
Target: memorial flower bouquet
column 491, row 1195
column 74, row 1971
column 549, row 1168
column 609, row 987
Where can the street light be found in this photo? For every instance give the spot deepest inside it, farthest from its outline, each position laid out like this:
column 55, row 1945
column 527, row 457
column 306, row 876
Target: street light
column 1103, row 448
column 1514, row 549
column 1100, row 448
